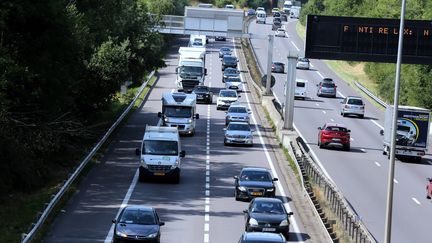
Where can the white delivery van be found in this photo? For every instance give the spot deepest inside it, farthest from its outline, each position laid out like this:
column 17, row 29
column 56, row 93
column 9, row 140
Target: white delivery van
column 261, row 17
column 300, row 91
column 160, row 154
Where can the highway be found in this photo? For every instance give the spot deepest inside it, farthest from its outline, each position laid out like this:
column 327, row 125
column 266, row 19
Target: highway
column 202, row 207
column 361, row 174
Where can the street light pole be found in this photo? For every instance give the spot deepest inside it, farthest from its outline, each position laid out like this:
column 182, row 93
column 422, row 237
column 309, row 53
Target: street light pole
column 389, row 209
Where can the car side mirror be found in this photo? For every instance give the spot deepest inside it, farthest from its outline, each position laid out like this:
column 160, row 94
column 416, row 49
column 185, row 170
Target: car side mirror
column 137, row 152
column 239, row 96
column 114, row 221
column 349, row 130
column 182, row 153
column 177, row 70
column 237, row 60
column 161, row 223
column 196, row 116
column 275, row 179
column 236, row 177
column 290, row 214
column 381, row 132
column 319, row 128
column 205, row 71
column 245, row 211
column 159, row 114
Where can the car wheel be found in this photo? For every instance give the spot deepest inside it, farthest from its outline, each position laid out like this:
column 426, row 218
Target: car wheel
column 343, row 114
column 217, row 108
column 226, row 123
column 141, row 177
column 347, row 147
column 361, row 116
column 176, row 178
column 225, row 143
column 320, row 144
column 236, row 196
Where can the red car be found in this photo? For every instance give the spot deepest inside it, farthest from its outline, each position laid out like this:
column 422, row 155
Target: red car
column 333, row 134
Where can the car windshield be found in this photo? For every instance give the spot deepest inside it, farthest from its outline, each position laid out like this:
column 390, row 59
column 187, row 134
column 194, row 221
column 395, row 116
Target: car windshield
column 233, row 80
column 238, row 127
column 303, row 60
column 301, row 84
column 237, row 110
column 229, row 59
column 201, row 89
column 355, row 102
column 230, row 94
column 137, row 216
column 160, row 147
column 268, row 207
column 187, row 70
column 225, row 49
column 328, row 85
column 336, row 129
column 255, row 176
column 197, row 42
column 230, row 71
column 178, row 111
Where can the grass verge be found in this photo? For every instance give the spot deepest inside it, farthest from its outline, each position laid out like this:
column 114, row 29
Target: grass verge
column 21, row 209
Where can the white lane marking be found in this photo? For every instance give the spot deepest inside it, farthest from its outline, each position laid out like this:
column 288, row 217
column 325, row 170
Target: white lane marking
column 363, row 150
column 295, row 46
column 172, row 90
column 206, row 227
column 332, row 120
column 324, row 112
column 376, row 123
column 270, row 162
column 316, row 104
column 206, row 238
column 311, row 65
column 110, row 234
column 351, row 139
column 395, row 181
column 377, row 164
column 341, row 95
column 415, row 200
column 320, row 74
column 207, row 180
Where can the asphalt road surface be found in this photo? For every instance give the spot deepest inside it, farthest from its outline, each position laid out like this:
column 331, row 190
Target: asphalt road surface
column 361, row 174
column 202, row 207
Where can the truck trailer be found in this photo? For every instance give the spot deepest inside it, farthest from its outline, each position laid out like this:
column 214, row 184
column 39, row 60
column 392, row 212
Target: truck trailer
column 412, row 132
column 191, row 69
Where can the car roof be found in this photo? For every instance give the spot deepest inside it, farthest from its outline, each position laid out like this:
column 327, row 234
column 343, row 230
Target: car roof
column 332, row 124
column 301, row 80
column 267, row 199
column 354, row 97
column 264, row 236
column 225, row 47
column 255, row 169
column 327, row 80
column 278, row 62
column 240, row 123
column 237, row 105
column 140, row 207
column 227, row 90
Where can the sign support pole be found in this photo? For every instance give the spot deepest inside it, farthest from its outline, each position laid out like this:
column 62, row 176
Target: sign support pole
column 269, row 65
column 390, row 184
column 290, row 91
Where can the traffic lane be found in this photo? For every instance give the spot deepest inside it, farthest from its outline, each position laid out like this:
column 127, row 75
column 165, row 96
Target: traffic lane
column 102, row 191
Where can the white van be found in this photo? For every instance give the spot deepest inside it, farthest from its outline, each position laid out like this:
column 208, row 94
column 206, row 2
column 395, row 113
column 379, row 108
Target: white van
column 261, row 17
column 300, row 89
column 198, row 41
column 295, row 12
column 287, row 6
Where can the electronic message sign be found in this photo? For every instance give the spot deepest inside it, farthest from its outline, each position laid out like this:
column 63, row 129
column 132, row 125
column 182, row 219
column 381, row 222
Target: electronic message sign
column 367, row 39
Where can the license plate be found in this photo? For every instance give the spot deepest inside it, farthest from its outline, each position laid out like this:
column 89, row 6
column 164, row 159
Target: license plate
column 336, row 139
column 269, row 229
column 256, row 193
column 159, row 174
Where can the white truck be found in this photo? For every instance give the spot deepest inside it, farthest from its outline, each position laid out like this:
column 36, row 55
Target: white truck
column 412, row 132
column 191, row 69
column 160, row 154
column 295, row 12
column 179, row 111
column 287, row 6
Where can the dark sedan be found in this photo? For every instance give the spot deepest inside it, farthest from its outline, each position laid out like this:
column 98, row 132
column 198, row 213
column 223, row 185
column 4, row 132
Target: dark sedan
column 278, row 67
column 225, row 51
column 267, row 215
column 230, row 72
column 229, row 61
column 137, row 224
column 203, row 94
column 254, row 182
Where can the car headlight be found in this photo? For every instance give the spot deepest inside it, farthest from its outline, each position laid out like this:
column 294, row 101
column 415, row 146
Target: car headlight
column 242, row 188
column 121, row 234
column 225, row 76
column 228, row 117
column 176, row 164
column 166, row 119
column 253, row 222
column 190, row 121
column 152, row 235
column 143, row 164
column 284, row 223
column 270, row 189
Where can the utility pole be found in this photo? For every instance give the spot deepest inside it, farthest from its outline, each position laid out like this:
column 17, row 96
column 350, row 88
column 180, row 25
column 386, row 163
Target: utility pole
column 269, row 64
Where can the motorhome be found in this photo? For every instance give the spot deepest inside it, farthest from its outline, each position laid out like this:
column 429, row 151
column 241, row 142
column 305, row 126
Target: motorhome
column 179, row 110
column 261, row 17
column 198, row 41
column 300, row 91
column 160, row 154
column 191, row 69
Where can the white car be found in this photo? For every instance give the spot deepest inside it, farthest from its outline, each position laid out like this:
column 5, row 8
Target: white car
column 233, row 83
column 303, row 63
column 353, row 105
column 226, row 98
column 280, row 32
column 260, row 9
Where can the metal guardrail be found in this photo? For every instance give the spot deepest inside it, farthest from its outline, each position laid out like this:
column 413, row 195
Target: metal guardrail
column 42, row 216
column 370, row 94
column 346, row 216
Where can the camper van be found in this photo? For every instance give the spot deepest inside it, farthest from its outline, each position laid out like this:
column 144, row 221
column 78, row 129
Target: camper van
column 198, row 41
column 300, row 91
column 261, row 17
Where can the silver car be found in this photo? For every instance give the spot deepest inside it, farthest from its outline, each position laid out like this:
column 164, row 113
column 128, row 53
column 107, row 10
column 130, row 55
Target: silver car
column 233, row 83
column 353, row 105
column 226, row 98
column 237, row 113
column 238, row 133
column 327, row 88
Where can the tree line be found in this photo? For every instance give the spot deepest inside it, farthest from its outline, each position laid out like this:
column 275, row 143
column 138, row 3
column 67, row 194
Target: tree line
column 416, row 85
column 61, row 64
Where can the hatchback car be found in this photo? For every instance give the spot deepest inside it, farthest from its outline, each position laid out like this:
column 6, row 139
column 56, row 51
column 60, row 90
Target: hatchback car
column 267, row 215
column 327, row 88
column 230, row 72
column 237, row 113
column 261, row 237
column 281, row 33
column 137, row 224
column 251, row 12
column 353, row 105
column 229, row 61
column 333, row 134
column 224, row 51
column 278, row 67
column 303, row 63
column 226, row 98
column 203, row 94
column 238, row 133
column 254, row 182
column 233, row 83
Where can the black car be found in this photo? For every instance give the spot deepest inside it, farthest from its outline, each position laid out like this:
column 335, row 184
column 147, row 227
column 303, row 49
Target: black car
column 254, row 182
column 276, row 24
column 277, row 14
column 230, row 72
column 203, row 94
column 267, row 215
column 278, row 67
column 229, row 61
column 261, row 237
column 137, row 224
column 284, row 17
column 225, row 51
column 220, row 38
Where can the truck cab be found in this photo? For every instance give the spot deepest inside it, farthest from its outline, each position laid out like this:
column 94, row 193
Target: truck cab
column 191, row 69
column 178, row 110
column 160, row 154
